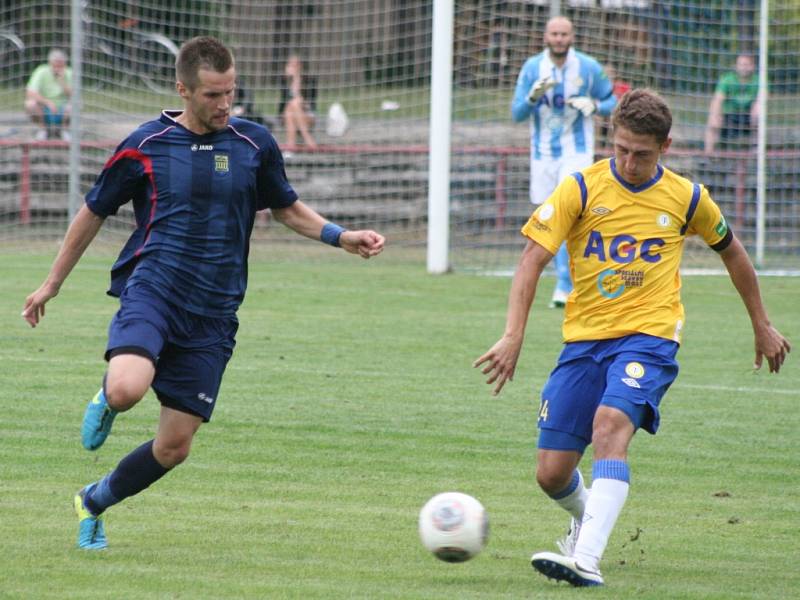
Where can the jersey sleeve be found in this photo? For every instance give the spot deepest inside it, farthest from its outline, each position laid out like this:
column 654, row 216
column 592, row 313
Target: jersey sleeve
column 709, row 223
column 274, row 190
column 602, row 90
column 551, row 221
column 520, row 107
column 122, row 179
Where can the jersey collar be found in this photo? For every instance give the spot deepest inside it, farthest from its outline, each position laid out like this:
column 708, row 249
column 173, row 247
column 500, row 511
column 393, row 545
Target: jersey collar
column 550, row 65
column 636, row 188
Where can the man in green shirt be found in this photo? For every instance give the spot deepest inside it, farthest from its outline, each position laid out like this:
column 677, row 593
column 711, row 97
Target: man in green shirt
column 47, row 96
column 733, row 113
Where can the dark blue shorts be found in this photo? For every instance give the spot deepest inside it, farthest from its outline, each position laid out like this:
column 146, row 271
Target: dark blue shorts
column 189, row 351
column 631, row 374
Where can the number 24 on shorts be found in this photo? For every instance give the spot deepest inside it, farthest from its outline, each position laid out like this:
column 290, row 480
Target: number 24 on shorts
column 543, row 410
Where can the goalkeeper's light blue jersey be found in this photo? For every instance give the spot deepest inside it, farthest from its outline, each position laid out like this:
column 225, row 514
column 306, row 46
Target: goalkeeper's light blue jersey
column 557, row 128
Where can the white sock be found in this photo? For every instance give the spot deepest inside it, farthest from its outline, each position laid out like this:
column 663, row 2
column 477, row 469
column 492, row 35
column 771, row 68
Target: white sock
column 574, row 502
column 609, row 492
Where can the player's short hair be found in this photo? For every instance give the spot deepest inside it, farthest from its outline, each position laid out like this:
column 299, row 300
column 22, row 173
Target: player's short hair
column 643, row 112
column 203, row 52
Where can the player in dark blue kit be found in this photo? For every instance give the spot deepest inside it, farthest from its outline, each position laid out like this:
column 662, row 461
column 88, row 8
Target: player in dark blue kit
column 196, row 178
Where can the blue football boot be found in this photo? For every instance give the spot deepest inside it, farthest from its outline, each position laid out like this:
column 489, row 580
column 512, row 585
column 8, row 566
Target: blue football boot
column 91, row 528
column 97, row 421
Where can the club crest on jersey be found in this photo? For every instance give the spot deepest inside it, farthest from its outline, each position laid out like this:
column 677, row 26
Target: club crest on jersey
column 221, row 163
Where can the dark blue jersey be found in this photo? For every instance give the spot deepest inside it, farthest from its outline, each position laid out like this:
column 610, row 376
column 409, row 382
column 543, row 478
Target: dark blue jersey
column 195, row 199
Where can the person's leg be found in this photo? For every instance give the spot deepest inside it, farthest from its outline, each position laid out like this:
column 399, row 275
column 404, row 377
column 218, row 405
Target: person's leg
column 34, row 111
column 558, row 475
column 563, row 279
column 127, row 380
column 300, row 121
column 136, row 337
column 612, row 432
column 306, row 123
column 289, row 120
column 566, row 167
column 138, row 470
column 569, row 400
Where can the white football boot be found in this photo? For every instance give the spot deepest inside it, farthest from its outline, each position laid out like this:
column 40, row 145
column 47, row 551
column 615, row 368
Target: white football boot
column 565, row 568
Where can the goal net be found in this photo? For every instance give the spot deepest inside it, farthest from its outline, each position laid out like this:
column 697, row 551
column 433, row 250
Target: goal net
column 367, row 65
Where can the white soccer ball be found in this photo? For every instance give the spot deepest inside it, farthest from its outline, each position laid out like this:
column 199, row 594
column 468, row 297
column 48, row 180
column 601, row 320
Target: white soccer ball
column 454, row 526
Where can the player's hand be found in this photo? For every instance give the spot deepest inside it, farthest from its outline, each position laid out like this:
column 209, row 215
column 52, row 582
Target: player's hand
column 772, row 345
column 365, row 243
column 540, row 88
column 584, row 104
column 501, row 362
column 34, row 304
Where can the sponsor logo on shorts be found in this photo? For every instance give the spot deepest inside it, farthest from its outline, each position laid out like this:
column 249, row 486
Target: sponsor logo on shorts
column 204, row 398
column 630, row 382
column 635, row 370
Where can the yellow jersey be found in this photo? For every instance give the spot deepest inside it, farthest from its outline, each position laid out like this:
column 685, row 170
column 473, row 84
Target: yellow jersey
column 625, row 244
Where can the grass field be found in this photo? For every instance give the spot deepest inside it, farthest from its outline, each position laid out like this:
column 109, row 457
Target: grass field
column 349, row 402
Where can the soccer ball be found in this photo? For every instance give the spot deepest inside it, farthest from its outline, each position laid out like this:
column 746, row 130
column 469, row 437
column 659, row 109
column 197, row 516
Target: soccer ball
column 454, row 526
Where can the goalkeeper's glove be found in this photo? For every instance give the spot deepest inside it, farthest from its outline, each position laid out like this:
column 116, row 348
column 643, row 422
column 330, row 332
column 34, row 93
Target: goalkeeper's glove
column 539, row 88
column 583, row 104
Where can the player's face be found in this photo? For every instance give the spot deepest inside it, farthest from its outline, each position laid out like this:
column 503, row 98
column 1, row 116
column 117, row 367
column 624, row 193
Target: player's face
column 208, row 105
column 637, row 155
column 558, row 37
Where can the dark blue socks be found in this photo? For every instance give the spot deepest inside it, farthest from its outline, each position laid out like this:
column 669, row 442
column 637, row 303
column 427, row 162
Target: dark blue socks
column 133, row 474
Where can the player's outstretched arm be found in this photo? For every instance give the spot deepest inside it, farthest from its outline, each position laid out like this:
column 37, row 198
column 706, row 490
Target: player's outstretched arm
column 306, row 221
column 769, row 343
column 500, row 361
column 81, row 232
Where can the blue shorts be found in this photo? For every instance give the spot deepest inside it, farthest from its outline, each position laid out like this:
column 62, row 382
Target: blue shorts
column 189, row 351
column 53, row 118
column 631, row 374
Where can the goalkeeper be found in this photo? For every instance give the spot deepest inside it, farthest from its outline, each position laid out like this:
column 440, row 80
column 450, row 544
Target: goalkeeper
column 559, row 90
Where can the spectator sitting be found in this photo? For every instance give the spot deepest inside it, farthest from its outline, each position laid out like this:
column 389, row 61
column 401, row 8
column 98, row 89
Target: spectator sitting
column 47, row 96
column 298, row 100
column 733, row 112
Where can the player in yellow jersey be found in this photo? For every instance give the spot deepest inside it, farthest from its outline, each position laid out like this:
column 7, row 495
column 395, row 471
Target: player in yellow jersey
column 625, row 221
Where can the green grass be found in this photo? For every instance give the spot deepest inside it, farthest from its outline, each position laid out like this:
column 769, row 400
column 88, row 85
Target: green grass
column 350, row 401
